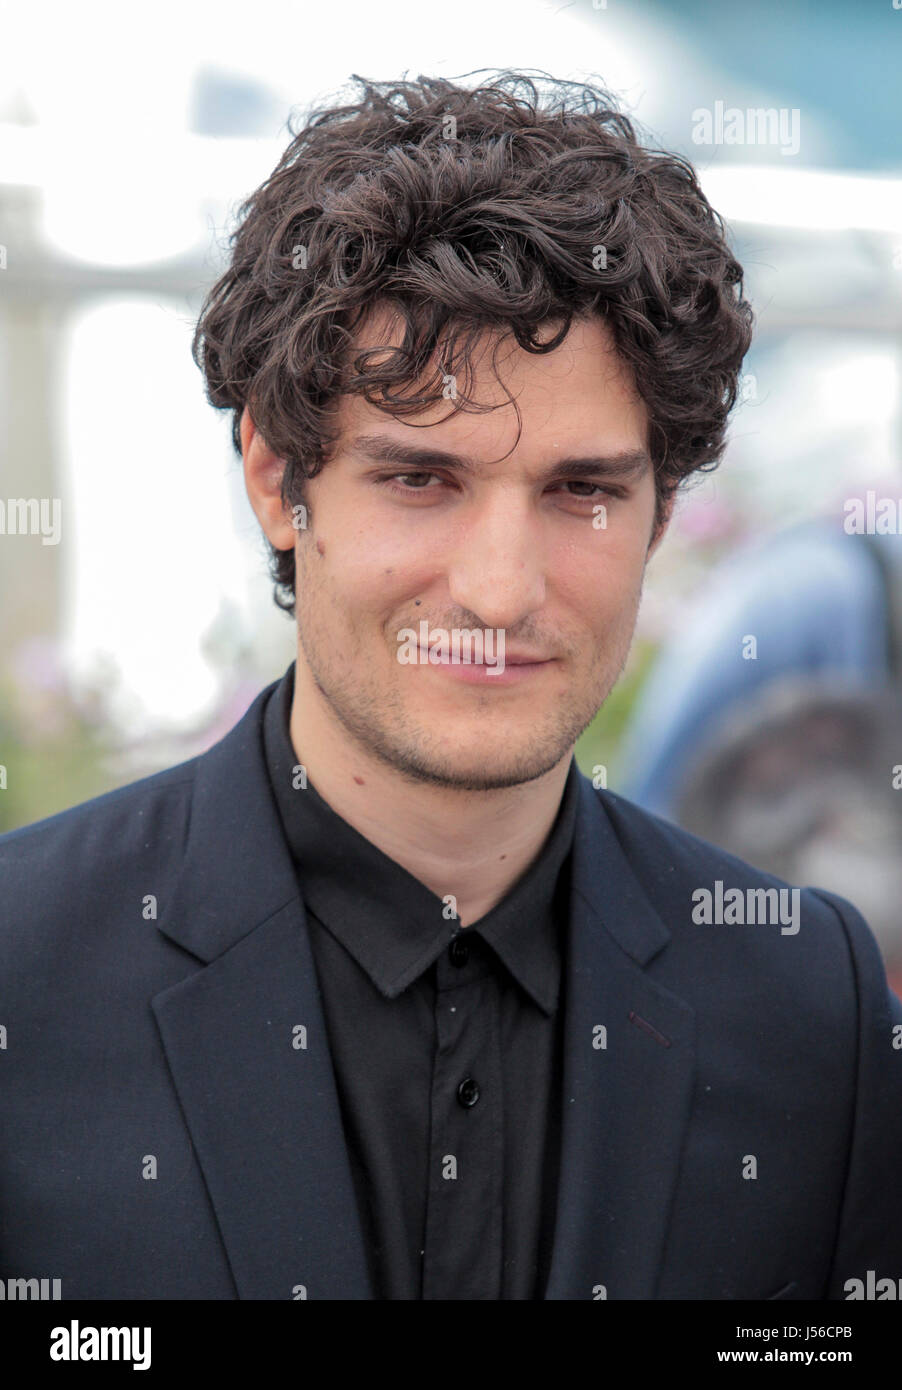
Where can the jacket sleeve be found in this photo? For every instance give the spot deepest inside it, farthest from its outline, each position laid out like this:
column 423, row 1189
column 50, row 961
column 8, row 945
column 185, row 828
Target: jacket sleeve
column 869, row 1234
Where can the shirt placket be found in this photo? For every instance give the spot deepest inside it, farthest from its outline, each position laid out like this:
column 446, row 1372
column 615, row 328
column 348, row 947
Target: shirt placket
column 462, row 1256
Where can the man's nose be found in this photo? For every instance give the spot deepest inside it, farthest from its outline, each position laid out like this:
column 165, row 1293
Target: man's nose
column 496, row 568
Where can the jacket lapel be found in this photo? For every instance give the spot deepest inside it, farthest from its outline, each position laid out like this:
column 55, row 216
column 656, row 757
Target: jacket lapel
column 259, row 1096
column 625, row 1104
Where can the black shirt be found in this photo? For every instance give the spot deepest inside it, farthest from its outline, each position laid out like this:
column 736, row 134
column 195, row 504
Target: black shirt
column 446, row 1046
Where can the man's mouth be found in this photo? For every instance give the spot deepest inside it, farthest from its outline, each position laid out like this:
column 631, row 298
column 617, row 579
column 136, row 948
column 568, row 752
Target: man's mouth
column 512, row 670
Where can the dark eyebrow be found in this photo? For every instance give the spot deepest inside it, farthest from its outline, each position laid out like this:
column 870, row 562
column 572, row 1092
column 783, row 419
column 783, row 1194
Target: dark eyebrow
column 626, row 465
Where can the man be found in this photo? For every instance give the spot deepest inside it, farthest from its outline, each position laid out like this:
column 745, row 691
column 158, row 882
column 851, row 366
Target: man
column 379, row 998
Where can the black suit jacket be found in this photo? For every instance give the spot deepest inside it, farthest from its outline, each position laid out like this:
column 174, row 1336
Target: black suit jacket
column 163, row 1134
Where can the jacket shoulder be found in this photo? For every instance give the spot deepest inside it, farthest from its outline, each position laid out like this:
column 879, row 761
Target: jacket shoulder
column 78, row 854
column 665, row 854
column 673, row 865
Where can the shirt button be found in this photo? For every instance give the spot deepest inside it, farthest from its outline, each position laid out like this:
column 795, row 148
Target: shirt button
column 459, row 951
column 468, row 1092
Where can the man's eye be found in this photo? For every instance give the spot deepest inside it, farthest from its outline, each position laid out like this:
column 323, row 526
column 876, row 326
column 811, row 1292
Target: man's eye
column 581, row 482
column 598, row 489
column 390, row 481
column 418, row 481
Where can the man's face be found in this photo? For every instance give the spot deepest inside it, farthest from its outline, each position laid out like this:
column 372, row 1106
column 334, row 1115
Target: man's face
column 502, row 548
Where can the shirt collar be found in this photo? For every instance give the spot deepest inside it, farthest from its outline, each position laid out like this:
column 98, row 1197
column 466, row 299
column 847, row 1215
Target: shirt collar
column 392, row 924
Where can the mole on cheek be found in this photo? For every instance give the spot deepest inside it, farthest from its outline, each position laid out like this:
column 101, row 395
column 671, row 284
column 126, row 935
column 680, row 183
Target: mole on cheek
column 321, row 549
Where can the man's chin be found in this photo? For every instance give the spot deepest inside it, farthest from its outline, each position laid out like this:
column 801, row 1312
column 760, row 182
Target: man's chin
column 477, row 769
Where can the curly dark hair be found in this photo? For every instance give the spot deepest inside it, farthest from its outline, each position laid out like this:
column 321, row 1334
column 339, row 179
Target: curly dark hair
column 468, row 209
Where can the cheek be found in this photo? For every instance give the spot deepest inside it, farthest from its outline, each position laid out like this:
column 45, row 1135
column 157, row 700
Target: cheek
column 602, row 580
column 360, row 589
column 362, row 542
column 377, row 575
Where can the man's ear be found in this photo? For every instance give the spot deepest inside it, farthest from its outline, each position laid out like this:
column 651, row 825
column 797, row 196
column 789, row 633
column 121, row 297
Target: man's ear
column 263, row 472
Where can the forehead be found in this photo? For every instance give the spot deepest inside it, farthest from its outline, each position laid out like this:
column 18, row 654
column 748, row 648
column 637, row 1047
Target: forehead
column 581, row 390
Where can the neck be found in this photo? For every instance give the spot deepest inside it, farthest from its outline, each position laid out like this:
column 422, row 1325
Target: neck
column 474, row 845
